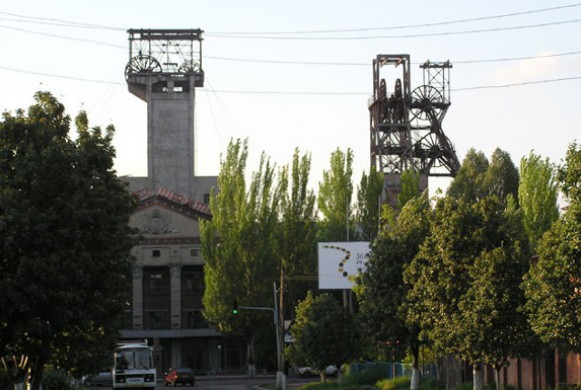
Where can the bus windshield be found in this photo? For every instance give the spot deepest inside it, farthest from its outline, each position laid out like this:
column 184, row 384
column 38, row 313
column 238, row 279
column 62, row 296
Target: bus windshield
column 135, row 358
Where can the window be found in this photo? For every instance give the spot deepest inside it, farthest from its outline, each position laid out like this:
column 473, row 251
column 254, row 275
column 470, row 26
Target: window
column 194, row 252
column 155, row 283
column 207, row 198
column 156, row 253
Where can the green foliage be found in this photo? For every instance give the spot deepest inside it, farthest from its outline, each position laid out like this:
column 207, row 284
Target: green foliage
column 5, row 381
column 297, row 231
column 334, row 198
column 399, row 383
column 368, row 377
column 464, row 386
column 381, row 289
column 432, row 384
column 537, row 193
column 501, row 177
column 469, row 182
column 56, row 380
column 239, row 245
column 65, row 274
column 410, row 187
column 368, row 203
column 465, row 279
column 553, row 283
column 324, row 332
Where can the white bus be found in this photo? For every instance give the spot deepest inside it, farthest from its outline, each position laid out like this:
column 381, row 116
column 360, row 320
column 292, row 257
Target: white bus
column 134, row 367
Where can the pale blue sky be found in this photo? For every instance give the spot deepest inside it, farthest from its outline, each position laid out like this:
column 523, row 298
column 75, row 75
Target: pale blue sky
column 543, row 116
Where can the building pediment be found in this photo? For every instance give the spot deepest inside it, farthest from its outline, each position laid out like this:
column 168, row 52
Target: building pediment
column 167, row 216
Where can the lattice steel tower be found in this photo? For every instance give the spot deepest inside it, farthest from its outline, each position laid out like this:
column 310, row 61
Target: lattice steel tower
column 406, row 126
column 164, row 69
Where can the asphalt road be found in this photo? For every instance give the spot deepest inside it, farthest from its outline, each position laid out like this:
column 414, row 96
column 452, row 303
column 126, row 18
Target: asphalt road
column 232, row 383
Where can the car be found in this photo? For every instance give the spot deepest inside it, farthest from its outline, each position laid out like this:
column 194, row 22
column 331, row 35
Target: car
column 308, row 371
column 183, row 376
column 101, row 379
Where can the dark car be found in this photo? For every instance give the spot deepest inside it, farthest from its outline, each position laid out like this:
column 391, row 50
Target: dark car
column 183, row 376
column 100, row 379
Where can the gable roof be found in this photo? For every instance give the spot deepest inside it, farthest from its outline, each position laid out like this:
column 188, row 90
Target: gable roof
column 188, row 207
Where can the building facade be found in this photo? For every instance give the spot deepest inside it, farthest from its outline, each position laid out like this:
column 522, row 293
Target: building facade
column 164, row 70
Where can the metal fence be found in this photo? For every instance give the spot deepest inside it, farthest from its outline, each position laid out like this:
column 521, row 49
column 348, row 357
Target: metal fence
column 389, row 369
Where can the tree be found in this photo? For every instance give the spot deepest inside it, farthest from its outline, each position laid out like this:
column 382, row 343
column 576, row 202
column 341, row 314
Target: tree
column 553, row 284
column 239, row 246
column 324, row 333
column 382, row 291
column 469, row 182
column 537, row 193
column 296, row 240
column 501, row 177
column 410, row 187
column 470, row 246
column 369, row 203
column 334, row 198
column 65, row 266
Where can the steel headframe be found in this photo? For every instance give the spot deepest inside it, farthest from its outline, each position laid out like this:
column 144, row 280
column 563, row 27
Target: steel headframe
column 406, row 127
column 165, row 51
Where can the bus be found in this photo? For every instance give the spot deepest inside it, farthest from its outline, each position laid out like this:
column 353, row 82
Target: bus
column 134, row 367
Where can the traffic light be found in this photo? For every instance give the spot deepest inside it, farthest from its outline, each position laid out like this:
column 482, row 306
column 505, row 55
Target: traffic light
column 235, row 307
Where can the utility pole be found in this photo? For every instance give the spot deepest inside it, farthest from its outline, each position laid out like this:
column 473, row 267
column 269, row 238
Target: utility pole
column 280, row 377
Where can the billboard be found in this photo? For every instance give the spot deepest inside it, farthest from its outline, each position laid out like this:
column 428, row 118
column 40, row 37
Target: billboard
column 340, row 262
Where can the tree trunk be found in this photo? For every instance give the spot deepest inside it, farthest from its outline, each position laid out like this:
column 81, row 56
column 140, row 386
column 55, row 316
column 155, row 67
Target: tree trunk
column 497, row 376
column 477, row 372
column 323, row 375
column 415, row 379
column 35, row 378
column 250, row 356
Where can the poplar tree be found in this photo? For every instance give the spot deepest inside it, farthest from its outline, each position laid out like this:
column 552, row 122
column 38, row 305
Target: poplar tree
column 369, row 203
column 334, row 198
column 537, row 193
column 239, row 248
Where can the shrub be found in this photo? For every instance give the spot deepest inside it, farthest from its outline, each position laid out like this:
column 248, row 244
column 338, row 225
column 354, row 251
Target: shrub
column 432, row 384
column 464, row 386
column 5, row 382
column 56, row 380
column 400, row 383
column 368, row 377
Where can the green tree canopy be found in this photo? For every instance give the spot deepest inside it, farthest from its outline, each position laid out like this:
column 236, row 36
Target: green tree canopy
column 501, row 177
column 468, row 240
column 297, row 245
column 324, row 333
column 410, row 187
column 334, row 198
column 469, row 182
column 369, row 203
column 382, row 291
column 537, row 194
column 239, row 246
column 554, row 282
column 65, row 266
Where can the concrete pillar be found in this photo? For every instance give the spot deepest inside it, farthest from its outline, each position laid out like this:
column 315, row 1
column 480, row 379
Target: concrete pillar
column 137, row 297
column 176, row 296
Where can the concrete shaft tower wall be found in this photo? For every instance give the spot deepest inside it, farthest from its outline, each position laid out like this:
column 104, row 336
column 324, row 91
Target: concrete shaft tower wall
column 170, row 128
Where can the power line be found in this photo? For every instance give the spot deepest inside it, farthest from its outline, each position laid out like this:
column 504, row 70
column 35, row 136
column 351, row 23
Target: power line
column 63, row 37
column 403, row 36
column 57, row 22
column 477, row 61
column 304, row 93
column 69, row 23
column 432, row 24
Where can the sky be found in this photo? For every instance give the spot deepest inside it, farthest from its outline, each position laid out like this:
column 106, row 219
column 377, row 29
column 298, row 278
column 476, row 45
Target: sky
column 515, row 82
